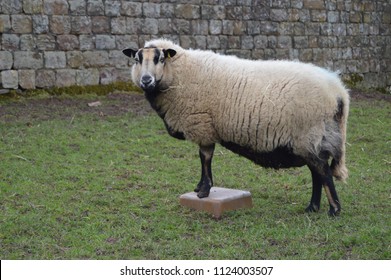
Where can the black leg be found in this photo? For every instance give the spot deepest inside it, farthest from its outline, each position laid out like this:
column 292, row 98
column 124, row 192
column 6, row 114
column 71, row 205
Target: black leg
column 322, row 177
column 314, row 205
column 331, row 193
column 206, row 182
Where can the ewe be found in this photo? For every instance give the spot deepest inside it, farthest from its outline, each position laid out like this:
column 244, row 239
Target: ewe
column 278, row 114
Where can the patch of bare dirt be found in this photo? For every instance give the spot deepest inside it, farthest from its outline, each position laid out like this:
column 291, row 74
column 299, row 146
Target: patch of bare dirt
column 36, row 109
column 360, row 95
column 29, row 110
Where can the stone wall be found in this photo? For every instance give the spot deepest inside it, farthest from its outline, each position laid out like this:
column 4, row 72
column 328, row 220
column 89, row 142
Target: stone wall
column 46, row 43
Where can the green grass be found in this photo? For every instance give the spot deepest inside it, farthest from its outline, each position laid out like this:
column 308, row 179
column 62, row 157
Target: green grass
column 107, row 187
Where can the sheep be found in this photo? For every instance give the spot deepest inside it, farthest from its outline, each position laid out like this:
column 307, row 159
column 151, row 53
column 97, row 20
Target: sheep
column 278, row 114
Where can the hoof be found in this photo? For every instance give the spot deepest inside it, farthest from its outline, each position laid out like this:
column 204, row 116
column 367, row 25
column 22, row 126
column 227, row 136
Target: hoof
column 334, row 212
column 312, row 208
column 202, row 194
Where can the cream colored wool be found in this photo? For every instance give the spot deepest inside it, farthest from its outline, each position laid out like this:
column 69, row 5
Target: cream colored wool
column 260, row 105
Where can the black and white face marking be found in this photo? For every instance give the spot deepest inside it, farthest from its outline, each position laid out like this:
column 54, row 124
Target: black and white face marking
column 149, row 67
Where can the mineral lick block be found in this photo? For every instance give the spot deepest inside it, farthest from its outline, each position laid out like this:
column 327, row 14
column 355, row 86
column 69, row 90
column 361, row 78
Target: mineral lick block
column 219, row 201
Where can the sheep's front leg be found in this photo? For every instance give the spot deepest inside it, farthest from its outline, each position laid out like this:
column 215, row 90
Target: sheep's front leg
column 206, row 182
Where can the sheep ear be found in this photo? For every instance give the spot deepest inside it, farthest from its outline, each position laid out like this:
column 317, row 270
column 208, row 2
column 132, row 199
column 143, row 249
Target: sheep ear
column 129, row 52
column 169, row 53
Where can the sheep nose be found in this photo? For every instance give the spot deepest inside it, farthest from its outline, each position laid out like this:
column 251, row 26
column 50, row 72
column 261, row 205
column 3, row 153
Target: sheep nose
column 146, row 81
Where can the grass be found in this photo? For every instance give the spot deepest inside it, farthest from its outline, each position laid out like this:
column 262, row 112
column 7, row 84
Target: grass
column 106, row 187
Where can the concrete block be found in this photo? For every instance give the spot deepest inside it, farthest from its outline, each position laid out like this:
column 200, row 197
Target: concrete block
column 219, row 201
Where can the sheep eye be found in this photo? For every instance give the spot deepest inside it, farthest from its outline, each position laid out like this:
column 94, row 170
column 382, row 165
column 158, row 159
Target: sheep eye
column 162, row 60
column 136, row 60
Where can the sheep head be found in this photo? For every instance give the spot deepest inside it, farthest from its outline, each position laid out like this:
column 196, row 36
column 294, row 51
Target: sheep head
column 151, row 71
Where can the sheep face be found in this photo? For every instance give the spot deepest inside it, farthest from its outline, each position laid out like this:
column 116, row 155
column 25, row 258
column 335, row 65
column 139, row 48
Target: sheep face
column 151, row 71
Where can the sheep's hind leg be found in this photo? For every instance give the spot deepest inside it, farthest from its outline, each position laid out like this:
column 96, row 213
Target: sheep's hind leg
column 331, row 193
column 206, row 182
column 314, row 205
column 324, row 178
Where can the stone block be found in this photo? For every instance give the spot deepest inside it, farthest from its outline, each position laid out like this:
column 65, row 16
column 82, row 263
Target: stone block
column 27, row 42
column 10, row 79
column 126, row 41
column 100, row 24
column 314, row 4
column 260, row 41
column 75, row 59
column 199, row 27
column 11, row 6
column 213, row 42
column 339, row 29
column 112, row 8
column 28, row 60
column 81, row 25
column 284, row 42
column 215, row 27
column 234, row 12
column 167, row 10
column 87, row 42
column 318, row 15
column 278, row 15
column 234, row 42
column 26, row 79
column 333, row 16
column 108, row 76
column 55, row 7
column 33, row 6
column 46, row 42
column 78, row 7
column 68, row 42
column 247, row 42
column 5, row 23
column 166, row 25
column 123, row 75
column 21, row 23
column 105, row 42
column 305, row 55
column 65, row 77
column 132, row 9
column 95, row 8
column 86, row 77
column 300, row 42
column 55, row 59
column 269, row 28
column 134, row 25
column 118, row 25
column 6, row 60
column 116, row 59
column 253, row 27
column 200, row 42
column 151, row 26
column 45, row 78
column 40, row 24
column 298, row 4
column 95, row 58
column 220, row 200
column 187, row 11
column 60, row 24
column 312, row 28
column 151, row 10
column 213, row 12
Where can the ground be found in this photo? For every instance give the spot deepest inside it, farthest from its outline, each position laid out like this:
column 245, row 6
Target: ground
column 114, row 104
column 87, row 180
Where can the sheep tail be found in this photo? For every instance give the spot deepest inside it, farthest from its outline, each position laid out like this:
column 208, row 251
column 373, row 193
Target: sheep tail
column 338, row 166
